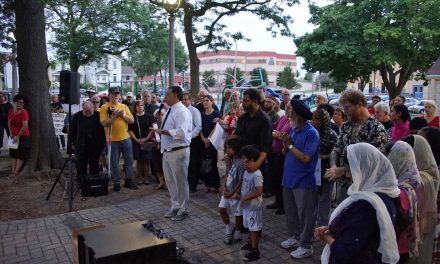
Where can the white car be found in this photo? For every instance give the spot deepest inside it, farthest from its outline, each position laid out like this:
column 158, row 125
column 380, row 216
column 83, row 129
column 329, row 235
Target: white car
column 418, row 108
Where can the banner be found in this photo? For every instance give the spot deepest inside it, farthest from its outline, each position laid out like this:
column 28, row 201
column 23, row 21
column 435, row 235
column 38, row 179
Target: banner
column 58, row 123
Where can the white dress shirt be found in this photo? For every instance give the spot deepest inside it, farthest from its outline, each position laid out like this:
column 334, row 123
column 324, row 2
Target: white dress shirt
column 179, row 126
column 196, row 121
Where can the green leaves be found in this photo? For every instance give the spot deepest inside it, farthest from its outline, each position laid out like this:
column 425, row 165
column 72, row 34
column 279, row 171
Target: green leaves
column 286, row 79
column 356, row 37
column 86, row 30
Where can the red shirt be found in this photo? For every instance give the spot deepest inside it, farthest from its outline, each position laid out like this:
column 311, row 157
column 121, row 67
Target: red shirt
column 16, row 121
column 435, row 122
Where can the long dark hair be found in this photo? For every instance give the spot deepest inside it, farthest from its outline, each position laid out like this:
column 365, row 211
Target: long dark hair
column 432, row 135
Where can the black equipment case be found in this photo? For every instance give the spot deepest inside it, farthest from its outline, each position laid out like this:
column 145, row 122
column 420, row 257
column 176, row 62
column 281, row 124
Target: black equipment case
column 94, row 185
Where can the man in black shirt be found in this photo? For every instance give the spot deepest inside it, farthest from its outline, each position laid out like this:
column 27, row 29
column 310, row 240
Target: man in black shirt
column 87, row 139
column 255, row 128
column 5, row 107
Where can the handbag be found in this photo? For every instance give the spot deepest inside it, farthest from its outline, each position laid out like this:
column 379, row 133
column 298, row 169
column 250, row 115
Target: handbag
column 206, row 165
column 147, row 146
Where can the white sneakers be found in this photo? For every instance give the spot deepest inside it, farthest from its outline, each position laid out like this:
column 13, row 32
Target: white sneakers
column 301, row 252
column 289, row 243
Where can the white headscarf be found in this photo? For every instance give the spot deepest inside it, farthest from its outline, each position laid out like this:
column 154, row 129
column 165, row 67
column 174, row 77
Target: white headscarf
column 404, row 163
column 371, row 172
column 427, row 192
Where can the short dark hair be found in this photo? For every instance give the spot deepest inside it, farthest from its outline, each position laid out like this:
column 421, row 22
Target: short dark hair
column 234, row 142
column 432, row 135
column 330, row 109
column 403, row 110
column 417, row 123
column 409, row 139
column 403, row 97
column 253, row 94
column 250, row 152
column 19, row 97
column 376, row 97
column 177, row 90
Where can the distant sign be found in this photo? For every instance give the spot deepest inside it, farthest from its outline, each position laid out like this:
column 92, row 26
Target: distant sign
column 58, row 123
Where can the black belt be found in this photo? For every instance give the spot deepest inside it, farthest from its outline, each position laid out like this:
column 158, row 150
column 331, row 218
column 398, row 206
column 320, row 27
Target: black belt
column 176, row 148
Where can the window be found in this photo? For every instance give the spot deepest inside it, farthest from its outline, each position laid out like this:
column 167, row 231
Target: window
column 271, row 61
column 114, row 78
column 127, row 78
column 115, row 66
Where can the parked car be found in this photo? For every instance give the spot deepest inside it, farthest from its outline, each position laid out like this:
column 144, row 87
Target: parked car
column 418, row 108
column 410, row 101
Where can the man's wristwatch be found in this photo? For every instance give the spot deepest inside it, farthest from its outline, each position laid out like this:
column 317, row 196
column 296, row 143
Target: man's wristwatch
column 290, row 147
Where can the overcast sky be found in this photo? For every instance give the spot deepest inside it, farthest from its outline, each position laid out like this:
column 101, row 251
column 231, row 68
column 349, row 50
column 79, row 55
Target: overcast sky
column 261, row 40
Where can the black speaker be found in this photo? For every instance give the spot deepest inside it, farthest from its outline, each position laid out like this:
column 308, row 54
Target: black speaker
column 94, row 185
column 69, row 87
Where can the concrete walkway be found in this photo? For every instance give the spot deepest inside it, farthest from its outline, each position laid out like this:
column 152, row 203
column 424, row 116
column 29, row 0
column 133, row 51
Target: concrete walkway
column 48, row 240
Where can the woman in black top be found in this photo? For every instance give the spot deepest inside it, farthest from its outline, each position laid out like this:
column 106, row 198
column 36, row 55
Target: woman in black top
column 140, row 134
column 5, row 107
column 208, row 151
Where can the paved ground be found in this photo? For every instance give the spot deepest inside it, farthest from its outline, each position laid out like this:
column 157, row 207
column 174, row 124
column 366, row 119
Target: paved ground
column 48, row 239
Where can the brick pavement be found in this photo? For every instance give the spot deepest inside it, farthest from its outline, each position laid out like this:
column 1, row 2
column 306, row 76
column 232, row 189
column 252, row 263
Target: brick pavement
column 48, row 239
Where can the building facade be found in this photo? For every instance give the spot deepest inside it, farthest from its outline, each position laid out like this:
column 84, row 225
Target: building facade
column 272, row 62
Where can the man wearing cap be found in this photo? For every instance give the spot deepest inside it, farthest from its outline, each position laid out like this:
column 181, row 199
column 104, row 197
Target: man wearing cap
column 115, row 117
column 90, row 93
column 299, row 184
column 129, row 101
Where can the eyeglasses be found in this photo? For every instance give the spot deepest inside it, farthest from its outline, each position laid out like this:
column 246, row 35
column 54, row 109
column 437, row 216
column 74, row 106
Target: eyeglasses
column 19, row 102
column 96, row 102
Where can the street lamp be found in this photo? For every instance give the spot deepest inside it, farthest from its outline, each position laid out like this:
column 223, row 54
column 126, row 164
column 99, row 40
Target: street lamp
column 14, row 64
column 171, row 6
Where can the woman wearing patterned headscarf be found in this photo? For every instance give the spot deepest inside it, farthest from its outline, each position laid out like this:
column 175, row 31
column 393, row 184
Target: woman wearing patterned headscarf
column 321, row 121
column 403, row 160
column 361, row 228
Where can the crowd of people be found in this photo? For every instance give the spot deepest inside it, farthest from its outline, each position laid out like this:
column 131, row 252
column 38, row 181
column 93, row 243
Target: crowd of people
column 378, row 166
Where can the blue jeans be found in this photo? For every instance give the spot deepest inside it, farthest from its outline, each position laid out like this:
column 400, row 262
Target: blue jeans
column 124, row 147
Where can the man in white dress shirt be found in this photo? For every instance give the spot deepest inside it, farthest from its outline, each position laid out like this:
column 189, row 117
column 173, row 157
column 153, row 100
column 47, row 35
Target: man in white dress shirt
column 175, row 133
column 195, row 146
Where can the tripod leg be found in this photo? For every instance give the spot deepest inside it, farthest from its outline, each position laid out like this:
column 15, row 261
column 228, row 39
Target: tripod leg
column 56, row 180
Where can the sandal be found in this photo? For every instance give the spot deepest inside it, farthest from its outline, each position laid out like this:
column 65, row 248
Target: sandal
column 13, row 174
column 146, row 182
column 158, row 187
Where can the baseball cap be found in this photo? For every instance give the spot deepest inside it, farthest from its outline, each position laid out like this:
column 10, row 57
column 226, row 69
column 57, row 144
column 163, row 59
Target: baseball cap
column 113, row 90
column 129, row 94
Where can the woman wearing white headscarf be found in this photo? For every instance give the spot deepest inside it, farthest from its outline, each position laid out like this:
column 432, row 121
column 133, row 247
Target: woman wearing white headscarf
column 426, row 196
column 403, row 160
column 361, row 228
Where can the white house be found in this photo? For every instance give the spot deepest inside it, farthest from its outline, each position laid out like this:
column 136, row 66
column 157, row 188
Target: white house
column 103, row 72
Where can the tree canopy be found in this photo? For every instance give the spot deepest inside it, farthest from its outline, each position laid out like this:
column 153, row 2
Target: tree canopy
column 355, row 37
column 230, row 72
column 259, row 77
column 203, row 27
column 286, row 79
column 209, row 78
column 86, row 30
column 151, row 58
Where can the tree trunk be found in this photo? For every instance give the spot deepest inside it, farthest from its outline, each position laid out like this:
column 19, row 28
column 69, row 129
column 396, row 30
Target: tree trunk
column 389, row 78
column 194, row 61
column 34, row 84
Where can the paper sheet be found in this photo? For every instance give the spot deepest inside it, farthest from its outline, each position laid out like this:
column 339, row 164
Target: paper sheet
column 218, row 136
column 11, row 143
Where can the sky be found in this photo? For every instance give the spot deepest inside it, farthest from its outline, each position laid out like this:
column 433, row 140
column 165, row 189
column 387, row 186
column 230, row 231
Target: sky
column 261, row 40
